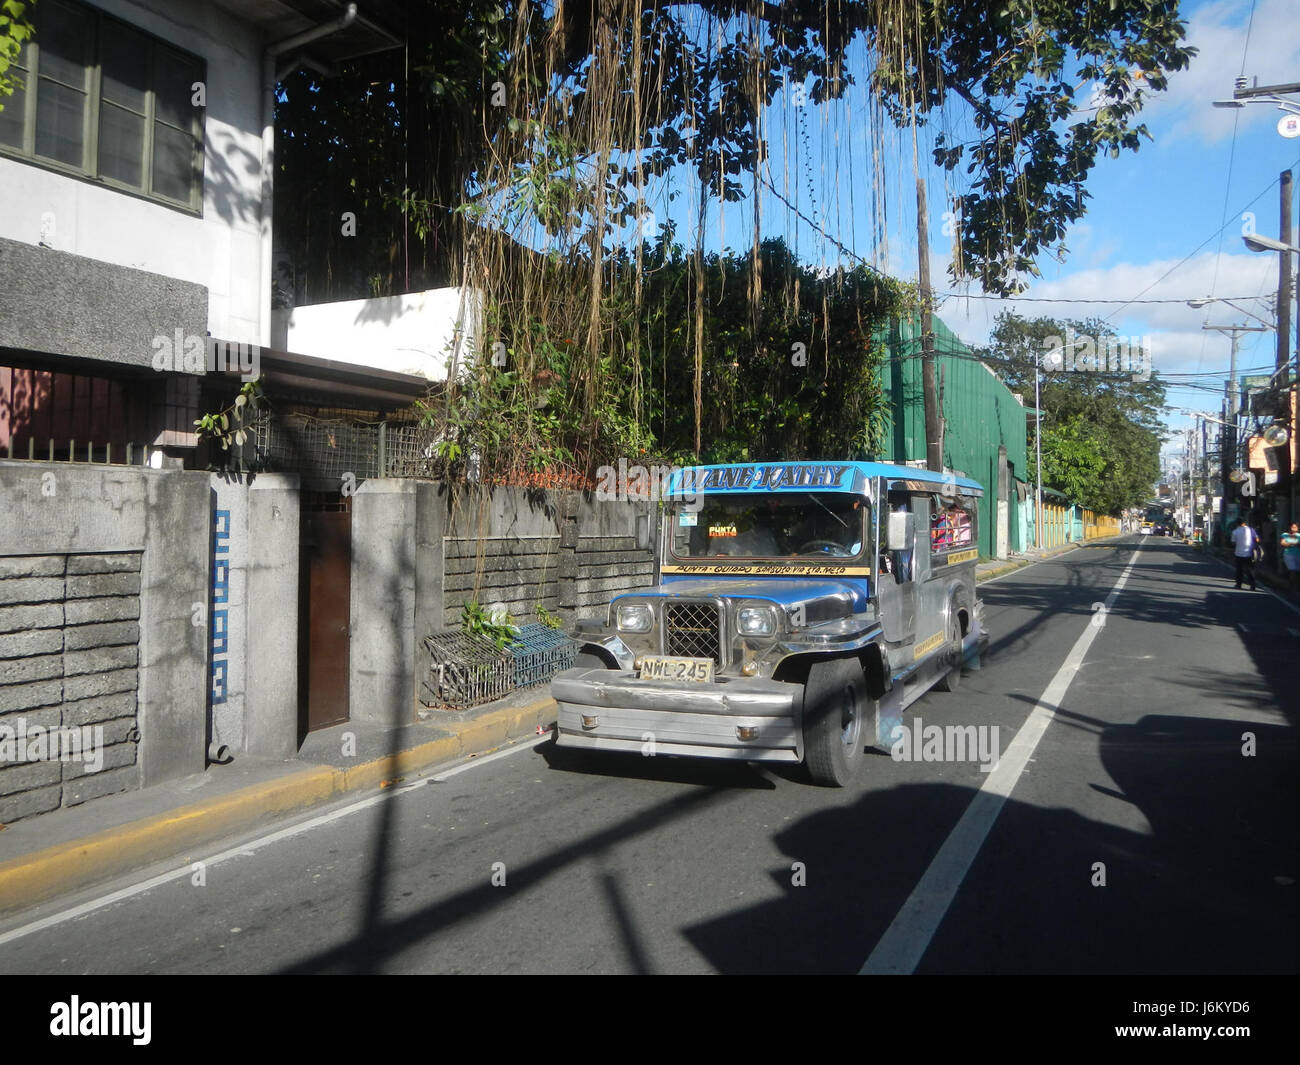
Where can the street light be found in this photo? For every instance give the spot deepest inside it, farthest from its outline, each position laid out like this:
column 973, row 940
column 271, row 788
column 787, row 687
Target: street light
column 1205, row 301
column 1282, row 105
column 1259, row 242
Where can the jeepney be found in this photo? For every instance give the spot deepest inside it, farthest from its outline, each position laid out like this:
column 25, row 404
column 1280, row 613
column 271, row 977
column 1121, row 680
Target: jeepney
column 802, row 607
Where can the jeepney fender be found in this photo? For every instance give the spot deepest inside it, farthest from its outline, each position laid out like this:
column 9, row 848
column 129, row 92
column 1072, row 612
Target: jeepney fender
column 608, row 647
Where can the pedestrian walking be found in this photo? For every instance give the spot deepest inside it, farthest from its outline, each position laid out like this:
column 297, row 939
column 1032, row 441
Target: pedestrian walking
column 1290, row 544
column 1245, row 549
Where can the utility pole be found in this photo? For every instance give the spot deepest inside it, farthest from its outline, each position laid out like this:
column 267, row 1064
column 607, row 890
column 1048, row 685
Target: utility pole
column 1284, row 277
column 1228, row 434
column 933, row 415
column 1283, row 347
column 1205, row 476
column 1038, row 449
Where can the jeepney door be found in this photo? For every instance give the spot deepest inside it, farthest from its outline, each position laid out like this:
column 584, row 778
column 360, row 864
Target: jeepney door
column 896, row 579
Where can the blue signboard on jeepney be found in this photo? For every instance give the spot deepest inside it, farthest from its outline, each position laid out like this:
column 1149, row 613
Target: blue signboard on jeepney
column 850, row 477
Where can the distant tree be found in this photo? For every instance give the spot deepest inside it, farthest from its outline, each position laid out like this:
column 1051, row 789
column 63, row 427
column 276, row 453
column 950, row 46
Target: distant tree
column 1101, row 430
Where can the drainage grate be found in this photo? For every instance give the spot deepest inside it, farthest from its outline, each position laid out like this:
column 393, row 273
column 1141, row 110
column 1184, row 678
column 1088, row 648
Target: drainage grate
column 465, row 670
column 691, row 630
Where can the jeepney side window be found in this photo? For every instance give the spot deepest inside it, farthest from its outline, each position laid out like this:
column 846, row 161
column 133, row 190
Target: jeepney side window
column 952, row 526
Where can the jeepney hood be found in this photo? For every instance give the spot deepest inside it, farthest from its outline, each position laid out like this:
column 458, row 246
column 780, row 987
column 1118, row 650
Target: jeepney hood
column 822, row 598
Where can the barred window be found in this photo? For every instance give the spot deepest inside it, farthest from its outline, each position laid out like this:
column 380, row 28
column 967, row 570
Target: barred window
column 104, row 101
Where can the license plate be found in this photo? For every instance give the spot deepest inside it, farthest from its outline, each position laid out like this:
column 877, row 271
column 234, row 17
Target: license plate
column 657, row 667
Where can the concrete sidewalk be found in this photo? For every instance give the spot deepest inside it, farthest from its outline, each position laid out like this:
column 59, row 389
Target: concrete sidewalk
column 79, row 847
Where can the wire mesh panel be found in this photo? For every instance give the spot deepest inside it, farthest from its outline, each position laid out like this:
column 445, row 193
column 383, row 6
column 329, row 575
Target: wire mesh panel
column 467, row 669
column 412, row 451
column 320, row 451
column 691, row 630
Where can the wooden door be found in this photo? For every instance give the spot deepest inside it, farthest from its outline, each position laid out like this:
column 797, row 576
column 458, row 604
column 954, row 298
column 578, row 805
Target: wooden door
column 325, row 605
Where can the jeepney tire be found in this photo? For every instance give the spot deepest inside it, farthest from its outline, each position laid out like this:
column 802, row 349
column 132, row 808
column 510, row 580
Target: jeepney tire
column 835, row 690
column 587, row 660
column 950, row 681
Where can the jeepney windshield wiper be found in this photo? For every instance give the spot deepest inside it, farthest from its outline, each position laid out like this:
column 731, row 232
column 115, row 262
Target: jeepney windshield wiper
column 829, row 511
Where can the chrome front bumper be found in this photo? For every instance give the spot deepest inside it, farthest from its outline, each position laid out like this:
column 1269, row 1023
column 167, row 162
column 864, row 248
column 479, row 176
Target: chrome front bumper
column 613, row 710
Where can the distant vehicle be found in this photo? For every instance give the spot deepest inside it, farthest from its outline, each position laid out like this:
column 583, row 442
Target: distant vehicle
column 1146, row 528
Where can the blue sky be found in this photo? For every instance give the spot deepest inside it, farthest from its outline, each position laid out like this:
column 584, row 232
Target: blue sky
column 1163, row 223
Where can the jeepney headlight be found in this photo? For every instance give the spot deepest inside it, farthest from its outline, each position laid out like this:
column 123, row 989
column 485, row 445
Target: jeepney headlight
column 756, row 621
column 635, row 617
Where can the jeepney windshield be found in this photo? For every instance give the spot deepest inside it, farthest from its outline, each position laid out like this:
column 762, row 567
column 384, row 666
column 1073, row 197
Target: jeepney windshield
column 812, row 525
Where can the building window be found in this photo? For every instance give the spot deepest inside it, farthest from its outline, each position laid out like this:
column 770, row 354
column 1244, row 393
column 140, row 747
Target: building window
column 105, row 101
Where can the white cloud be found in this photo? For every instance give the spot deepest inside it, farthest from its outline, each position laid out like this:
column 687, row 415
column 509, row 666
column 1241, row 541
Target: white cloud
column 1218, row 31
column 1178, row 342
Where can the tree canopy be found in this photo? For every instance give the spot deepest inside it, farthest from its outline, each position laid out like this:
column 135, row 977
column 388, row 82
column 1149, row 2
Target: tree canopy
column 1101, row 431
column 596, row 100
column 508, row 125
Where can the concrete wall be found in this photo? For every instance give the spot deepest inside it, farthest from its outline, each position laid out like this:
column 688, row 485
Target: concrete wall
column 252, row 688
column 418, row 333
column 567, row 552
column 420, row 552
column 71, row 667
column 219, row 250
column 65, row 304
column 124, row 545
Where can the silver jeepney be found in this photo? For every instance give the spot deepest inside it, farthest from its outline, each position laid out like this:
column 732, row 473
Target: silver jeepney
column 806, row 653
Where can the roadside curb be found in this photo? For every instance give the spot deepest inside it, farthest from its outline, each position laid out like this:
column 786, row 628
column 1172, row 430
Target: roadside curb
column 78, row 864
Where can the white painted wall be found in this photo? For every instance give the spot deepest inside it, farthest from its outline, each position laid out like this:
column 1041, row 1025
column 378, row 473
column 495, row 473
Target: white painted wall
column 219, row 250
column 417, row 333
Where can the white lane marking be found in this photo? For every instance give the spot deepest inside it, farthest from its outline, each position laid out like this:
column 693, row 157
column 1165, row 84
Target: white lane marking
column 1244, row 631
column 908, row 937
column 249, row 849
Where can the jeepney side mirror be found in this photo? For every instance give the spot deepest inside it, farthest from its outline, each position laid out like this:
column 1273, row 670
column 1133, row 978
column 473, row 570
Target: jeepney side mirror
column 902, row 527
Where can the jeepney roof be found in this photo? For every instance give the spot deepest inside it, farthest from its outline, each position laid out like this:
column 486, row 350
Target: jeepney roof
column 849, row 477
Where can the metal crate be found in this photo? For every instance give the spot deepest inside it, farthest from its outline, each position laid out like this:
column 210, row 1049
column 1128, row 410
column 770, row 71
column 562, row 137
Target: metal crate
column 465, row 670
column 540, row 652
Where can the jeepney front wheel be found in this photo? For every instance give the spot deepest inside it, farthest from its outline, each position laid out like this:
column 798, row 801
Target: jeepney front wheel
column 834, row 708
column 950, row 680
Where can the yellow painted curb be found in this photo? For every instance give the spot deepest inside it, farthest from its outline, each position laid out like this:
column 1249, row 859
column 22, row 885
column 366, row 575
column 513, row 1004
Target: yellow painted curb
column 33, row 878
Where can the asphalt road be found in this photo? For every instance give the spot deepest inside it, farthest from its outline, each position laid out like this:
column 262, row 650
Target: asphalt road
column 1151, row 829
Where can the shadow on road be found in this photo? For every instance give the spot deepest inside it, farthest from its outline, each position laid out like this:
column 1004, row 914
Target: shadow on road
column 1211, row 889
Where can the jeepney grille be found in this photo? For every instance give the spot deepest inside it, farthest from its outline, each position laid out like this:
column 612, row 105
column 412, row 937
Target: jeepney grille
column 691, row 630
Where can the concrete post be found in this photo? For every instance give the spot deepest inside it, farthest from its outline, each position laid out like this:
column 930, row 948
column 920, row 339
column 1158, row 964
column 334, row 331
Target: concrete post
column 380, row 688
